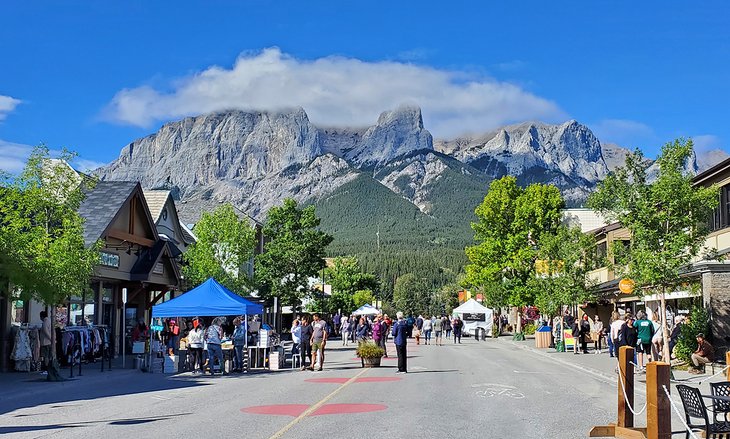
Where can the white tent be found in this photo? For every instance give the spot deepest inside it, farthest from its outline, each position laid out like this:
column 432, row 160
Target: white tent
column 366, row 310
column 475, row 315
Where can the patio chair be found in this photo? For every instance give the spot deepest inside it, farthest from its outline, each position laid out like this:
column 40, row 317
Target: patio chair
column 695, row 408
column 719, row 407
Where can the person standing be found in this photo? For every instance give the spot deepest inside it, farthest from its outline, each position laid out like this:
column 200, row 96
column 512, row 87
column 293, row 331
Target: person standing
column 213, row 336
column 437, row 329
column 319, row 339
column 704, row 354
column 296, row 336
column 377, row 330
column 345, row 331
column 336, row 323
column 362, row 330
column 427, row 328
column 239, row 343
column 657, row 339
column 384, row 335
column 446, row 323
column 597, row 334
column 419, row 325
column 400, row 336
column 45, row 339
column 353, row 329
column 195, row 344
column 645, row 332
column 584, row 333
column 305, row 347
column 457, row 325
column 575, row 332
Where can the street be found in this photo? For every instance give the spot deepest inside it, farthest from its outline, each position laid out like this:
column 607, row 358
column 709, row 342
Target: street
column 476, row 389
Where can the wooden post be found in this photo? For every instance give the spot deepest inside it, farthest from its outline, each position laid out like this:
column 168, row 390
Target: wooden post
column 658, row 410
column 727, row 363
column 626, row 376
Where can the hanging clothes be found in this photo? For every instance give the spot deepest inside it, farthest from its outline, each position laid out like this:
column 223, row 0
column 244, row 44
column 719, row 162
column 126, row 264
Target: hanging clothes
column 22, row 353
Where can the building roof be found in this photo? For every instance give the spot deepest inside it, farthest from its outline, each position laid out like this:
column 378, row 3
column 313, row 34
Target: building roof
column 156, row 200
column 101, row 205
column 587, row 219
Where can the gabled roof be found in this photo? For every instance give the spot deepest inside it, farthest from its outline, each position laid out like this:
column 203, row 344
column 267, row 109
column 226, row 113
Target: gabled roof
column 150, row 257
column 156, row 200
column 101, row 206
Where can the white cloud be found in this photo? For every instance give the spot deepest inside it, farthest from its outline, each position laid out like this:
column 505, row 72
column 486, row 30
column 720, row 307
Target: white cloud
column 7, row 104
column 627, row 133
column 13, row 157
column 337, row 91
column 706, row 142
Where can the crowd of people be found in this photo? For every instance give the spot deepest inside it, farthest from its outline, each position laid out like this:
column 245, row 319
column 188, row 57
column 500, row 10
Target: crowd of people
column 310, row 336
column 639, row 331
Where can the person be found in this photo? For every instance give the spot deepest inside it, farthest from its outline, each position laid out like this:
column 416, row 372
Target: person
column 597, row 334
column 416, row 332
column 585, row 332
column 362, row 330
column 305, row 346
column 345, row 331
column 437, row 330
column 213, row 336
column 352, row 328
column 657, row 339
column 457, row 325
column 239, row 343
column 568, row 319
column 319, row 339
column 704, row 354
column 140, row 333
column 446, row 323
column 45, row 339
column 427, row 328
column 336, row 320
column 676, row 332
column 296, row 336
column 384, row 327
column 377, row 330
column 186, row 330
column 173, row 340
column 644, row 332
column 629, row 334
column 195, row 344
column 400, row 337
column 575, row 332
column 419, row 325
column 615, row 334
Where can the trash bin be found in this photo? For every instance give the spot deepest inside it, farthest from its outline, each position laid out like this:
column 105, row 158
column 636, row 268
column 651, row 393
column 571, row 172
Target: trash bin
column 542, row 337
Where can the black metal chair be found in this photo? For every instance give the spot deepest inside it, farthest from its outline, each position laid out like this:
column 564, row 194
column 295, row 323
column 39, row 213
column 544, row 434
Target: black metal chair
column 695, row 408
column 721, row 408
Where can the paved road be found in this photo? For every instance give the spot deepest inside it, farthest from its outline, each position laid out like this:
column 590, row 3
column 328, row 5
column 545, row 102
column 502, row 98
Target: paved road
column 476, row 389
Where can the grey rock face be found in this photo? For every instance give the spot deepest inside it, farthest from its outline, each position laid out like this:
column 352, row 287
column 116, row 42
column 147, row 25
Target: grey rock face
column 396, row 134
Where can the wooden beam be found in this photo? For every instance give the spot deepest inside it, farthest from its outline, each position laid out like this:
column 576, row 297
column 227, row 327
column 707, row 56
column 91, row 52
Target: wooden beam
column 658, row 410
column 603, row 431
column 124, row 236
column 630, row 433
column 626, row 376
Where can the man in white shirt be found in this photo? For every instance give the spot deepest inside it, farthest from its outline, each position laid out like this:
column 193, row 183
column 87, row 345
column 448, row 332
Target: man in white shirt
column 45, row 337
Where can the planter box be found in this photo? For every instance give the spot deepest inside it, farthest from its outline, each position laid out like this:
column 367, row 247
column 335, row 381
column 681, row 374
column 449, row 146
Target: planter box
column 371, row 362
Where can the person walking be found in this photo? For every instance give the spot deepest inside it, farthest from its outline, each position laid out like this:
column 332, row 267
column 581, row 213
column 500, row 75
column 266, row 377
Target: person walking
column 319, row 339
column 645, row 332
column 427, row 328
column 345, row 331
column 400, row 337
column 658, row 338
column 305, row 346
column 239, row 343
column 195, row 344
column 437, row 330
column 446, row 323
column 615, row 329
column 336, row 323
column 597, row 334
column 704, row 354
column 457, row 325
column 352, row 328
column 213, row 336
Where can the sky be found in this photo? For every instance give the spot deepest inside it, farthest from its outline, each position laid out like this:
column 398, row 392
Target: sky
column 93, row 76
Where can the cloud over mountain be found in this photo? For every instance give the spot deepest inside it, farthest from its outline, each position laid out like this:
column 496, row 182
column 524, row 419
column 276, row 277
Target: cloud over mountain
column 336, row 91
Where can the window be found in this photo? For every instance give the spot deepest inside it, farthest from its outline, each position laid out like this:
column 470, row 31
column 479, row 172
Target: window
column 720, row 217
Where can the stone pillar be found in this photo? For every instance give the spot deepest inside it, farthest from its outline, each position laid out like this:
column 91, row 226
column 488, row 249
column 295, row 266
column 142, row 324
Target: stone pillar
column 716, row 297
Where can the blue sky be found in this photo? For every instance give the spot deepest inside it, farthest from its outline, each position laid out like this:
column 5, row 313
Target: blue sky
column 93, row 76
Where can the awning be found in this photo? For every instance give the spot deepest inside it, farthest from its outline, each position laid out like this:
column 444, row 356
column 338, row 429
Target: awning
column 207, row 300
column 684, row 294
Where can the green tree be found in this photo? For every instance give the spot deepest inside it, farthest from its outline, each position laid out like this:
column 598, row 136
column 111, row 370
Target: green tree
column 667, row 219
column 41, row 232
column 699, row 322
column 346, row 276
column 411, row 294
column 225, row 246
column 511, row 222
column 294, row 254
column 361, row 297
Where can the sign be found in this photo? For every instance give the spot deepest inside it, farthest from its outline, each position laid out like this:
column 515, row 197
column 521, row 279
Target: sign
column 462, row 296
column 124, row 295
column 109, row 259
column 159, row 268
column 474, row 317
column 626, row 286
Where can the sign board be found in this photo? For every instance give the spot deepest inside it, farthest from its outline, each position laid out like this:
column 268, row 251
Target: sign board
column 474, row 317
column 462, row 296
column 626, row 286
column 124, row 295
column 109, row 259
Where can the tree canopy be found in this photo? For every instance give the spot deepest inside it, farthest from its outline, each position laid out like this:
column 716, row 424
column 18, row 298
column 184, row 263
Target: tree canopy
column 294, row 253
column 224, row 248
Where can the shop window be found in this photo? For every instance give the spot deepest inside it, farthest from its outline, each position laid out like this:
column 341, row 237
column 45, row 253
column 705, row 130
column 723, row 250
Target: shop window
column 17, row 311
column 107, row 295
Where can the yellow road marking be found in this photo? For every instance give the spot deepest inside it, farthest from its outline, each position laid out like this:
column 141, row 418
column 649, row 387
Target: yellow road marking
column 311, row 409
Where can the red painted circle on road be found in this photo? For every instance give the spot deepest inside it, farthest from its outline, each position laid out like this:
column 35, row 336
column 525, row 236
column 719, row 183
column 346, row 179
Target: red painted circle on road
column 341, row 409
column 278, row 409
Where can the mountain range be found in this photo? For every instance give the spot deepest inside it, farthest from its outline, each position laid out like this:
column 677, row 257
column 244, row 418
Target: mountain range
column 391, row 194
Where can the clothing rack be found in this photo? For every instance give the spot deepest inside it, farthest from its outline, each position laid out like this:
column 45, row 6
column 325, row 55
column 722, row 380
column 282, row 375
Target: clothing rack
column 102, row 341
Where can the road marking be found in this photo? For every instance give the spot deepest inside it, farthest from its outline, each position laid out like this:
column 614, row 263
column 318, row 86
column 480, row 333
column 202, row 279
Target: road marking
column 525, row 372
column 313, row 408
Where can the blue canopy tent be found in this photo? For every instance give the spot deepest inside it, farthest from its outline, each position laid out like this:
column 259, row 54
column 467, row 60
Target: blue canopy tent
column 207, row 299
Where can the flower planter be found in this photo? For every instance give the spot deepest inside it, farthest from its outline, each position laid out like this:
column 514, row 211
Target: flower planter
column 371, row 362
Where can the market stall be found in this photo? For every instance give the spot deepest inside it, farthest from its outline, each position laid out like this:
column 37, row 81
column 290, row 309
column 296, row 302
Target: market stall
column 475, row 315
column 366, row 310
column 209, row 299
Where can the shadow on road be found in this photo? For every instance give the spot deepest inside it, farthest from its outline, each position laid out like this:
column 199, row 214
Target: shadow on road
column 124, row 421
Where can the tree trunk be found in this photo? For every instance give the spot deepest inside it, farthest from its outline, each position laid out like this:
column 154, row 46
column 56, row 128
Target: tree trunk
column 665, row 331
column 54, row 374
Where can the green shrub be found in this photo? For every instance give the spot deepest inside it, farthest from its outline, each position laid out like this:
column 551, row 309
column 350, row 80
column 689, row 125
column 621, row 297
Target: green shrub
column 529, row 329
column 369, row 349
column 699, row 322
